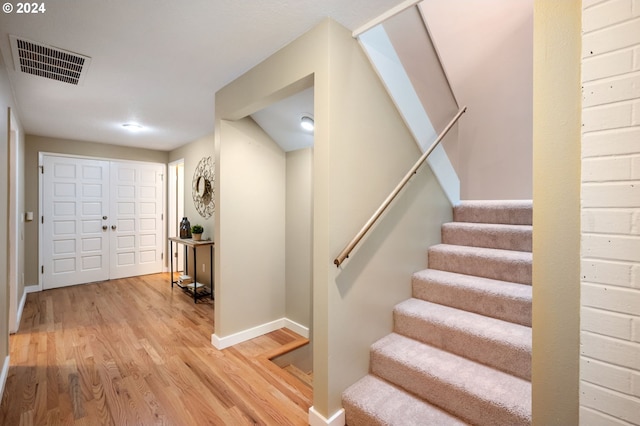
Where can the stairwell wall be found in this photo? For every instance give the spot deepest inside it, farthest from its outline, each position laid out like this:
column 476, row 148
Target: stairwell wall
column 362, row 149
column 486, row 49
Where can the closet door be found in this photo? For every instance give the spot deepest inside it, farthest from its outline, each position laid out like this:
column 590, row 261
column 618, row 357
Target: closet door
column 136, row 231
column 74, row 217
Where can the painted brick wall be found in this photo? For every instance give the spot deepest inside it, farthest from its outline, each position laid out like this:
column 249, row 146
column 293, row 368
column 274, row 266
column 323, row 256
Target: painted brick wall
column 610, row 282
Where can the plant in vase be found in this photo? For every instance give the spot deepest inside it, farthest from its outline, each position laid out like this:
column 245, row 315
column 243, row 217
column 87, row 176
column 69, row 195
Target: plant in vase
column 196, row 231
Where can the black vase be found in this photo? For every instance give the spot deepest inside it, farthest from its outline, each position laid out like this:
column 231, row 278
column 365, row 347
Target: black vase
column 185, row 228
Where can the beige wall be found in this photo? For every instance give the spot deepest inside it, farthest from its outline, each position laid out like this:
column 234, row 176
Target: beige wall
column 250, row 275
column 16, row 207
column 556, row 213
column 370, row 150
column 299, row 225
column 610, row 248
column 37, row 144
column 6, row 102
column 486, row 49
column 361, row 150
column 192, row 153
column 419, row 57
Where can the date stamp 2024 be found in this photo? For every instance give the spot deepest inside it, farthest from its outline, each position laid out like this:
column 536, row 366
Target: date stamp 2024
column 24, row 8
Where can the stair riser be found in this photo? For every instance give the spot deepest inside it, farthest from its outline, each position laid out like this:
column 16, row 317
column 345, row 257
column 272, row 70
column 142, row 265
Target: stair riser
column 496, row 268
column 452, row 399
column 515, row 310
column 514, row 213
column 355, row 416
column 496, row 354
column 508, row 239
column 373, row 401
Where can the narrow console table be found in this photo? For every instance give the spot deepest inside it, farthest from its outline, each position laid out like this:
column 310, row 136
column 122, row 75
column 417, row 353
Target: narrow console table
column 199, row 290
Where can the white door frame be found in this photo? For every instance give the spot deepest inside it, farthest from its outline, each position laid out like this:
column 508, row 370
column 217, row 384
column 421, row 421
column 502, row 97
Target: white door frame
column 175, row 205
column 16, row 301
column 41, row 156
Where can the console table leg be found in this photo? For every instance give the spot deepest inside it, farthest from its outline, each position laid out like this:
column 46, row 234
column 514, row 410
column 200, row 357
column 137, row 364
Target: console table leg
column 195, row 272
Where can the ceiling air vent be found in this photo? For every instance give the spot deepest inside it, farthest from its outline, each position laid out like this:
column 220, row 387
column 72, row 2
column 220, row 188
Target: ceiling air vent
column 49, row 62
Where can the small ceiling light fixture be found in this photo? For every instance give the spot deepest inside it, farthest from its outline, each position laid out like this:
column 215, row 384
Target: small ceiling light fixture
column 306, row 122
column 132, row 127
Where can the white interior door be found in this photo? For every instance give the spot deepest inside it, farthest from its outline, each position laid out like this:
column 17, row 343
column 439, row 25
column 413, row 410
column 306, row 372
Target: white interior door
column 137, row 227
column 101, row 220
column 75, row 200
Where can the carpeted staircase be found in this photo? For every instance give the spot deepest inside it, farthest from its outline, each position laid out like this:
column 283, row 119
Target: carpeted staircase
column 460, row 352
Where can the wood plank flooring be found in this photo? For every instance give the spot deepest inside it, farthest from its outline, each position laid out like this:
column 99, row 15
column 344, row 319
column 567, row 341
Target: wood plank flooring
column 136, row 352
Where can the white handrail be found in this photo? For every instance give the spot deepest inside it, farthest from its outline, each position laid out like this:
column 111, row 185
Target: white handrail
column 352, row 244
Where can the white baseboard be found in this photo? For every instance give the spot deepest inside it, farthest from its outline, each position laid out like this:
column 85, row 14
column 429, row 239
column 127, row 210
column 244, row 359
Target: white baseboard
column 16, row 326
column 4, row 375
column 317, row 419
column 32, row 288
column 296, row 328
column 251, row 333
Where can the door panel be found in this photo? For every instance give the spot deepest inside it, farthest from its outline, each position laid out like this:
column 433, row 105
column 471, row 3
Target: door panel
column 137, row 205
column 75, row 197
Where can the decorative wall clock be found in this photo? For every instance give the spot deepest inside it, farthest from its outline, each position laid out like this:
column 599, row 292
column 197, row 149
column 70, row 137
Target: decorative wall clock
column 202, row 187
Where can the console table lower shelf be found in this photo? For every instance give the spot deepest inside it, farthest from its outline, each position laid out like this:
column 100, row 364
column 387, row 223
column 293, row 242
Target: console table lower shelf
column 186, row 282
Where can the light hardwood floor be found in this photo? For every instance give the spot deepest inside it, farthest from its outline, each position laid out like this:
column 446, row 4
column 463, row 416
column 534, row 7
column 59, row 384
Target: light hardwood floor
column 136, row 352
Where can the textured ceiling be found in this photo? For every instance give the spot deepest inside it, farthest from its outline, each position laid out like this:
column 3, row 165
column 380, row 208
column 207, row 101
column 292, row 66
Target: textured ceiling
column 156, row 62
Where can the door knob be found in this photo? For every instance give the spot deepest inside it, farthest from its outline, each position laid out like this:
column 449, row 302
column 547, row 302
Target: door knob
column 113, row 227
column 104, row 227
column 104, row 218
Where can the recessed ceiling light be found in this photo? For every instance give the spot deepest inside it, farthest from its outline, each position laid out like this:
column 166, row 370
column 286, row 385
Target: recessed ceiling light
column 132, row 127
column 306, row 122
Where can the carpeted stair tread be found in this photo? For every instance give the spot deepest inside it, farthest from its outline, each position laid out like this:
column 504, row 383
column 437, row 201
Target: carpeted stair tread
column 504, row 265
column 461, row 346
column 373, row 401
column 497, row 299
column 496, row 343
column 515, row 212
column 464, row 388
column 489, row 235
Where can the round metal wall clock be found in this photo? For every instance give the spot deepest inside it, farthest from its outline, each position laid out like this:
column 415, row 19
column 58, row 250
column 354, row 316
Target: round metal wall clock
column 202, row 187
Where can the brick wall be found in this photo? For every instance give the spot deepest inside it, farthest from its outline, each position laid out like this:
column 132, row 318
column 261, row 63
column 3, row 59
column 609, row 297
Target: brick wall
column 610, row 271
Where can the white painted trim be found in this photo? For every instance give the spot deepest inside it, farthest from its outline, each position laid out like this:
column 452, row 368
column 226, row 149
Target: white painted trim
column 317, row 419
column 387, row 15
column 32, row 288
column 251, row 333
column 242, row 336
column 15, row 220
column 41, row 156
column 175, row 207
column 296, row 328
column 23, row 300
column 4, row 375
